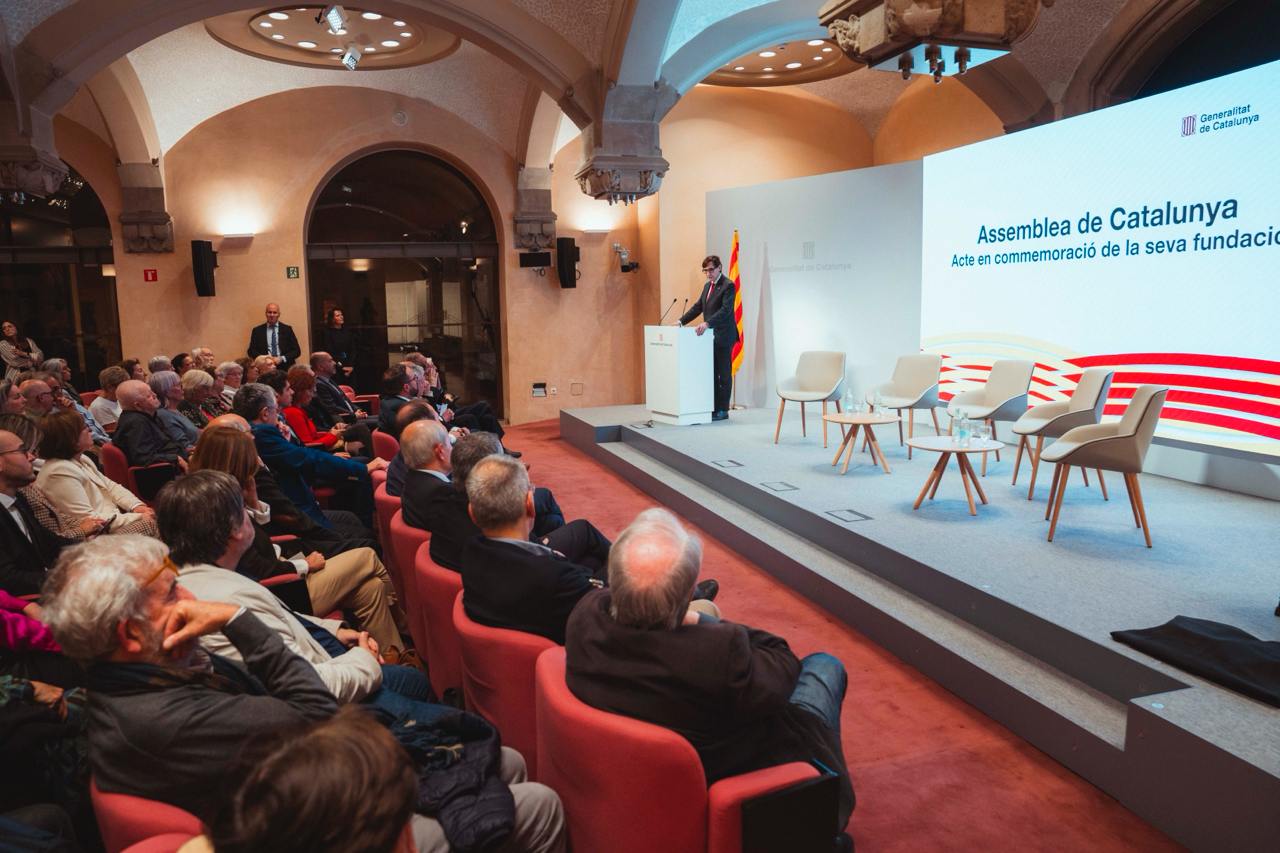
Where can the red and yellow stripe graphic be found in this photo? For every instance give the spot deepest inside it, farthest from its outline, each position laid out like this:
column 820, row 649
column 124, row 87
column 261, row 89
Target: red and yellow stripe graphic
column 737, row 304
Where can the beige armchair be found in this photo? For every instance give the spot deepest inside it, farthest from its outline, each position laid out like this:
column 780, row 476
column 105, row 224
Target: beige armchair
column 1052, row 420
column 818, row 378
column 914, row 386
column 1120, row 446
column 1002, row 398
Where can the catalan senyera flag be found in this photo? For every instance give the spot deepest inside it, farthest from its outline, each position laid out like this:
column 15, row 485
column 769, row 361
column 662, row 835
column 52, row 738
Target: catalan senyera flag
column 737, row 304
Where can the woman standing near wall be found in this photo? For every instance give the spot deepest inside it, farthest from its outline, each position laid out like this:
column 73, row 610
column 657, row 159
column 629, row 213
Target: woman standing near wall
column 19, row 352
column 337, row 340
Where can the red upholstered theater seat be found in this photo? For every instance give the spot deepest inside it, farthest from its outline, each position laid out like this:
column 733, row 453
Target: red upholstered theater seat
column 371, row 403
column 385, row 506
column 632, row 787
column 349, row 391
column 437, row 587
column 384, row 445
column 497, row 679
column 378, row 477
column 116, row 466
column 87, row 397
column 170, row 842
column 405, row 541
column 126, row 820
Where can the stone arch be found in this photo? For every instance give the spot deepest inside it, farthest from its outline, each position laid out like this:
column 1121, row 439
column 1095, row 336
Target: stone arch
column 1129, row 50
column 1011, row 91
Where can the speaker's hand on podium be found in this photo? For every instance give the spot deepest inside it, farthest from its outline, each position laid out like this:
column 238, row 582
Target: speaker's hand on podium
column 702, row 327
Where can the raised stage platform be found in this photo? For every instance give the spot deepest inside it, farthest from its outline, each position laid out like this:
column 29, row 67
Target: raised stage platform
column 1017, row 626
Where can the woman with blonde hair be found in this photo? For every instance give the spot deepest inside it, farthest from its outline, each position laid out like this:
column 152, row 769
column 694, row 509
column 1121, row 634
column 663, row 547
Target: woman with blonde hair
column 354, row 580
column 197, row 386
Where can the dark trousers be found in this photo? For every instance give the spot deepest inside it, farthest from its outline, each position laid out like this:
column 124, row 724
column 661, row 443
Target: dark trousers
column 722, row 364
column 582, row 543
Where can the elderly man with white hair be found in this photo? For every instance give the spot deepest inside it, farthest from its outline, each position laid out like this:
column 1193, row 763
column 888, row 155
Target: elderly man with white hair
column 140, row 434
column 738, row 694
column 203, row 358
column 159, row 363
column 231, row 374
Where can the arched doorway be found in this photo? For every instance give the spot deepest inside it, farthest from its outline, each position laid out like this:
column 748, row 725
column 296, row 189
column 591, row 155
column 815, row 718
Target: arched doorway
column 57, row 276
column 406, row 246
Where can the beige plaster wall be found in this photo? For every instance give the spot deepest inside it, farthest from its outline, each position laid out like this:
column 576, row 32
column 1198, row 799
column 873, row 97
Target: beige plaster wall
column 718, row 137
column 256, row 169
column 930, row 117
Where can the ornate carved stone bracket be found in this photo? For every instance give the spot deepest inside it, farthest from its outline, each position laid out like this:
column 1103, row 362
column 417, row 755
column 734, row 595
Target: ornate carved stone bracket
column 146, row 226
column 535, row 221
column 871, row 31
column 625, row 162
column 26, row 169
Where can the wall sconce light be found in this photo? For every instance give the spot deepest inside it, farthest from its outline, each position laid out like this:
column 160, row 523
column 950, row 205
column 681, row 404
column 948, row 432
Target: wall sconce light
column 625, row 264
column 595, row 232
column 109, row 270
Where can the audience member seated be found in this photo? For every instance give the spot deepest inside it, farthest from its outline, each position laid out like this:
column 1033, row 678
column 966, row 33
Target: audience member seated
column 476, row 416
column 262, row 365
column 168, row 718
column 42, row 507
column 105, row 408
column 76, row 486
column 354, row 580
column 182, row 362
column 216, row 403
column 349, row 438
column 432, row 502
column 310, row 789
column 738, row 694
column 249, row 373
column 203, row 358
column 204, row 522
column 66, row 398
column 27, row 549
column 37, row 398
column 134, row 369
column 11, row 401
column 60, row 370
column 474, row 446
column 298, row 468
column 167, row 386
column 196, row 388
column 394, row 392
column 508, row 581
column 414, row 410
column 232, row 375
column 342, row 530
column 140, row 434
column 157, row 363
column 330, row 399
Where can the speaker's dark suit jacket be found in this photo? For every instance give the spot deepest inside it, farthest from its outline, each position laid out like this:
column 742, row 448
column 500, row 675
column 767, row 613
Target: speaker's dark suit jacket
column 523, row 588
column 716, row 307
column 23, row 561
column 289, row 349
column 431, row 504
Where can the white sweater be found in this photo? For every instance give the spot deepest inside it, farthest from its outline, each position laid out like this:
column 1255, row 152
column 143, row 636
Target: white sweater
column 80, row 490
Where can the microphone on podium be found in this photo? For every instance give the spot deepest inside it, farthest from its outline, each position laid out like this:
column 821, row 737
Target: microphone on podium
column 664, row 313
column 684, row 306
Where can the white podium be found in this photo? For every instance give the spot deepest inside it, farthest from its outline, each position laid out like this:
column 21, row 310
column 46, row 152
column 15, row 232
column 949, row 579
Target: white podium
column 677, row 374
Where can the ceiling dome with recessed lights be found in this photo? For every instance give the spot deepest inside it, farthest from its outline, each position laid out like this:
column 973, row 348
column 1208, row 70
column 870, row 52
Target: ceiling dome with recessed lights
column 785, row 64
column 363, row 40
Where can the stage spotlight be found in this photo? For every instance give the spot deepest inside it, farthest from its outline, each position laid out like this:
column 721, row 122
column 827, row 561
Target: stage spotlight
column 351, row 57
column 334, row 16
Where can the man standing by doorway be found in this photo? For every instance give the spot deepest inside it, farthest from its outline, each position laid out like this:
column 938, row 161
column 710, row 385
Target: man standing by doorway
column 275, row 339
column 715, row 304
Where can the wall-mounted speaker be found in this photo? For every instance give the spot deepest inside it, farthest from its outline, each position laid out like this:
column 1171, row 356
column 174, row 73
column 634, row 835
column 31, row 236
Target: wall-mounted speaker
column 203, row 262
column 567, row 256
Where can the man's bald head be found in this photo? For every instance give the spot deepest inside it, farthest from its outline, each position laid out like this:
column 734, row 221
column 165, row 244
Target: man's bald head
column 136, row 396
column 37, row 395
column 425, row 444
column 653, row 568
column 231, row 419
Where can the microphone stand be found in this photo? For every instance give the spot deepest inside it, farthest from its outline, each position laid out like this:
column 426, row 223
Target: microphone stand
column 664, row 313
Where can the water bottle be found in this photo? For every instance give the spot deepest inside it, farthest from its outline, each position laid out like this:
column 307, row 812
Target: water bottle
column 963, row 431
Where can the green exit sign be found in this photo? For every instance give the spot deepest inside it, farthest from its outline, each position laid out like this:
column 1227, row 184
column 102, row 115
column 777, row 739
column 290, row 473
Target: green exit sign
column 291, row 272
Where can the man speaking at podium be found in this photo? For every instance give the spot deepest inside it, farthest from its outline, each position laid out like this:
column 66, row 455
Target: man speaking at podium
column 716, row 307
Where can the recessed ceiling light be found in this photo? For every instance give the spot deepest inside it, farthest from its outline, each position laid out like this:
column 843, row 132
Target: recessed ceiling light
column 817, row 59
column 826, row 50
column 398, row 23
column 279, row 16
column 406, row 35
column 814, row 42
column 371, row 16
column 390, row 43
column 278, row 37
column 768, row 68
column 340, row 33
column 335, row 50
column 793, row 64
column 266, row 24
column 767, row 54
column 370, row 50
column 307, row 44
column 740, row 68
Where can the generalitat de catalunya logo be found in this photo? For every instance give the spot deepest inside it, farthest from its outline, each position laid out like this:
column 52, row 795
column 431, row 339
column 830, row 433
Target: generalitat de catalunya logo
column 1240, row 116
